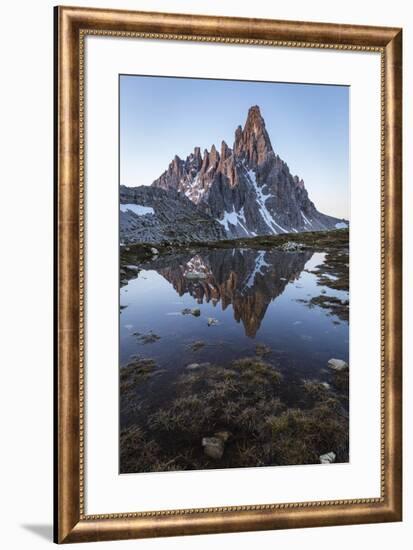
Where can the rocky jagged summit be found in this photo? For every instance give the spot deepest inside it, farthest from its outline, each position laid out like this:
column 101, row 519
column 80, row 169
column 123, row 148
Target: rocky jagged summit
column 248, row 189
column 253, row 142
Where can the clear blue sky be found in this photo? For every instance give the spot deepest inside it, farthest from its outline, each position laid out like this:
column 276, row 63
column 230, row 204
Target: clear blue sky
column 308, row 125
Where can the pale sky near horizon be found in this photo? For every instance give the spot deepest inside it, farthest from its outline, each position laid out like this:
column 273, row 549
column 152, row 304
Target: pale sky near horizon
column 308, row 125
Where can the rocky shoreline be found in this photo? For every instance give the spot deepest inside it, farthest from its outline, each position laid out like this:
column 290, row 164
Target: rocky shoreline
column 292, row 242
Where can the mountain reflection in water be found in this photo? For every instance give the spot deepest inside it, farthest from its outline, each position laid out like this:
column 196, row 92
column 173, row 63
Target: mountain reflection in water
column 244, row 278
column 235, row 341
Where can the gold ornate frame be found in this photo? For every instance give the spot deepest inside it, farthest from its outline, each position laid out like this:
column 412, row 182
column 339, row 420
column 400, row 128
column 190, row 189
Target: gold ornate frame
column 72, row 25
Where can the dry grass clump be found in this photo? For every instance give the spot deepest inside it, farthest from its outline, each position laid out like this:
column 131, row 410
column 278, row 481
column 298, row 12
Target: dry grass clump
column 137, row 454
column 149, row 338
column 262, row 350
column 131, row 377
column 134, row 372
column 197, row 345
column 300, row 436
column 341, row 380
column 314, row 392
column 185, row 415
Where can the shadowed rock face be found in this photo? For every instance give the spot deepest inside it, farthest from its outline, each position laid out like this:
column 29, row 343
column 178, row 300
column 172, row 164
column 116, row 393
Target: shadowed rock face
column 246, row 279
column 248, row 188
column 174, row 218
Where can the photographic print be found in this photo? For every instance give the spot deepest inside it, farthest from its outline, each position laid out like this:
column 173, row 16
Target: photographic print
column 202, row 211
column 234, row 274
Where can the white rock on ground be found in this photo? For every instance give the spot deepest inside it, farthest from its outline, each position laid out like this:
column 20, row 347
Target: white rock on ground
column 337, row 364
column 328, row 458
column 193, row 366
column 213, row 447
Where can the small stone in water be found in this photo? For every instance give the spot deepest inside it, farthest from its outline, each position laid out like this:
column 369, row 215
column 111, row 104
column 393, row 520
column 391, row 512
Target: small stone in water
column 212, row 321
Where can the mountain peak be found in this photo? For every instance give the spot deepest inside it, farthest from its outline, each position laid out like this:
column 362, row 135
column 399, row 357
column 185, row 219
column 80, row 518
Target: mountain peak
column 253, row 140
column 254, row 113
column 255, row 119
column 248, row 190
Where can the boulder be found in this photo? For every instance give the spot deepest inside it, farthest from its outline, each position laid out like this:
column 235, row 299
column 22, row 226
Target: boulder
column 213, row 447
column 291, row 246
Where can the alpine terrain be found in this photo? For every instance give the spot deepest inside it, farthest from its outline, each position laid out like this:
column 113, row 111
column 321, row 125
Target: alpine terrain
column 240, row 192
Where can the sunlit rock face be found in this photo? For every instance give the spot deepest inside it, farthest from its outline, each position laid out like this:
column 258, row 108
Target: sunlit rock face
column 248, row 189
column 245, row 279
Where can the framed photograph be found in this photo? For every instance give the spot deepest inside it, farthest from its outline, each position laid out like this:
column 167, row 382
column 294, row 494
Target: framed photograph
column 228, row 325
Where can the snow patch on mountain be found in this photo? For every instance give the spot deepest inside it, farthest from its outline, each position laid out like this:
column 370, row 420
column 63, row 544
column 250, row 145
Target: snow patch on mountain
column 137, row 209
column 341, row 225
column 261, row 198
column 304, row 218
column 236, row 219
